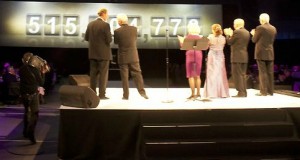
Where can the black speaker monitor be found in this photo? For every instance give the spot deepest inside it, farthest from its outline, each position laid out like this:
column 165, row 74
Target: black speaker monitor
column 79, row 80
column 78, row 96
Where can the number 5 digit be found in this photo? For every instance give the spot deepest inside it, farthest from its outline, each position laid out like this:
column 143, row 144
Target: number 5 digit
column 70, row 25
column 34, row 25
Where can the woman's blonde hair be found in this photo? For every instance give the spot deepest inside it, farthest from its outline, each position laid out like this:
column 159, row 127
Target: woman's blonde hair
column 193, row 28
column 217, row 29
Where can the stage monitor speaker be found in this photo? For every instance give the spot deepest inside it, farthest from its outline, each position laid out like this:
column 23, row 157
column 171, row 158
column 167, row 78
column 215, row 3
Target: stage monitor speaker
column 79, row 80
column 78, row 96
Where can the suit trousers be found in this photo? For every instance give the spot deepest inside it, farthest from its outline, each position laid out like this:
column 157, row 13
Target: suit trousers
column 239, row 76
column 31, row 113
column 266, row 76
column 99, row 75
column 136, row 73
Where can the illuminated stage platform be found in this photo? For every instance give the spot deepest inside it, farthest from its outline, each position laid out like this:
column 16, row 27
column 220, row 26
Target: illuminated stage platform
column 220, row 128
column 159, row 96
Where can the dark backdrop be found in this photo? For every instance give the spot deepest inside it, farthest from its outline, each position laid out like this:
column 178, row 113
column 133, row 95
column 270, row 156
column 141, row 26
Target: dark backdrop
column 284, row 15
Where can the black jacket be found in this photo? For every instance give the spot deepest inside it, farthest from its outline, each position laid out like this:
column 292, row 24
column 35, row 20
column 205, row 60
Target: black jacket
column 30, row 79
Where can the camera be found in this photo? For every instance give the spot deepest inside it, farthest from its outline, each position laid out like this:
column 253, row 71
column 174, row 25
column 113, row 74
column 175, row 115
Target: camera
column 39, row 63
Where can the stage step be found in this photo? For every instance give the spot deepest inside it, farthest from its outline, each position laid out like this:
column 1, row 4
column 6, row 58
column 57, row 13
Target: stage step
column 214, row 116
column 218, row 133
column 218, row 130
column 222, row 148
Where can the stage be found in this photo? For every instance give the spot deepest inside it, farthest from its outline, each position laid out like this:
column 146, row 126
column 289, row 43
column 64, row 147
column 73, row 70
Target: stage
column 175, row 98
column 167, row 126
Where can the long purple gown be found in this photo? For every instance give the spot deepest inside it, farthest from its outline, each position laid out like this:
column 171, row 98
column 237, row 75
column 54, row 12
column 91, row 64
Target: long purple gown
column 216, row 83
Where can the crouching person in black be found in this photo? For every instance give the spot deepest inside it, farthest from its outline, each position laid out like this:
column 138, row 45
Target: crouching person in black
column 31, row 80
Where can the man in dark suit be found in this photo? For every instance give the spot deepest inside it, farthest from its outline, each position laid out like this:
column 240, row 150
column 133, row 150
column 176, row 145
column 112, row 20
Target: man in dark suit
column 31, row 82
column 128, row 59
column 264, row 37
column 238, row 41
column 99, row 37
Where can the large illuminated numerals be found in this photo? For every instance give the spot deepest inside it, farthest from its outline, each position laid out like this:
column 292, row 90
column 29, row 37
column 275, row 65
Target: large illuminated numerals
column 132, row 21
column 193, row 20
column 113, row 23
column 135, row 21
column 158, row 26
column 176, row 26
column 33, row 24
column 52, row 25
column 70, row 25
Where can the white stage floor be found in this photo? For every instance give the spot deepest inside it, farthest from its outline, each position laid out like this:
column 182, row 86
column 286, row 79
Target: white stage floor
column 159, row 100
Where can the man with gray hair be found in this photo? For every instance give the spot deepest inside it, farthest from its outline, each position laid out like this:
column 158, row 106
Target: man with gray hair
column 264, row 37
column 128, row 59
column 238, row 41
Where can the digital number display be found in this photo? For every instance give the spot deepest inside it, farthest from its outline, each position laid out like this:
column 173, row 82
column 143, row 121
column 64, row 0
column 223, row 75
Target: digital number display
column 52, row 25
column 132, row 21
column 62, row 24
column 176, row 26
column 158, row 26
column 71, row 25
column 33, row 24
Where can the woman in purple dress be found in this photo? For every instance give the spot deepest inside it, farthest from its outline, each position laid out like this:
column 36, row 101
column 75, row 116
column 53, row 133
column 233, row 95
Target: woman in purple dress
column 193, row 61
column 216, row 83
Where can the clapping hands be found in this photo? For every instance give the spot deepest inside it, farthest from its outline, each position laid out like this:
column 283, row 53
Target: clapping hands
column 252, row 32
column 228, row 32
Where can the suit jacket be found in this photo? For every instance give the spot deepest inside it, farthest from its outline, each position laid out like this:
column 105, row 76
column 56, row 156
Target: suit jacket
column 264, row 38
column 99, row 37
column 30, row 79
column 126, row 37
column 239, row 45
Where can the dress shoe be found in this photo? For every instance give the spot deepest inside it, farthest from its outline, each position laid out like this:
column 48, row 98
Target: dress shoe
column 104, row 98
column 123, row 98
column 145, row 96
column 191, row 97
column 260, row 94
column 270, row 94
column 32, row 139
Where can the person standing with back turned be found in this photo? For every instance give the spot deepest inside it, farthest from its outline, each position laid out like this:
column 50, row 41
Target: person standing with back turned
column 216, row 83
column 238, row 41
column 99, row 37
column 193, row 61
column 264, row 37
column 125, row 37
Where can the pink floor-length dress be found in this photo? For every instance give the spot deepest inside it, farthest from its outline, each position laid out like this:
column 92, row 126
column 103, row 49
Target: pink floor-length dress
column 216, row 83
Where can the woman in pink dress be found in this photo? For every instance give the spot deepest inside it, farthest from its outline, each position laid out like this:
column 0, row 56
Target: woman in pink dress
column 216, row 83
column 193, row 61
